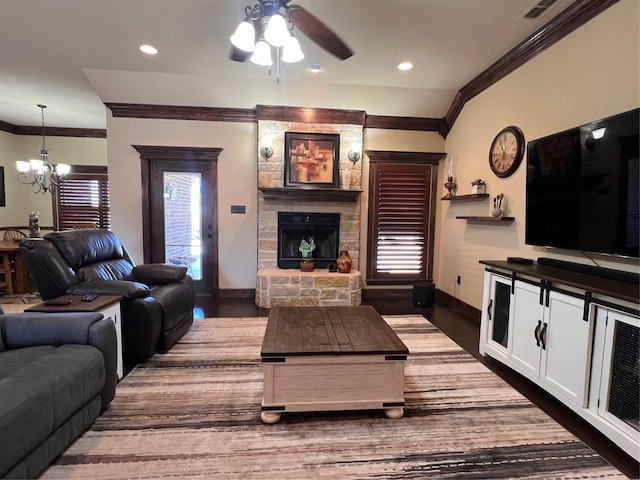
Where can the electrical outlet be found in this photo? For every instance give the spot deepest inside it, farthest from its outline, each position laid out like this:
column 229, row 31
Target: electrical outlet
column 458, row 280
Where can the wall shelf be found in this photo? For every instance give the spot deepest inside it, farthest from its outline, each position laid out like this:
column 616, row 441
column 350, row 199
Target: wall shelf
column 310, row 194
column 486, row 219
column 462, row 198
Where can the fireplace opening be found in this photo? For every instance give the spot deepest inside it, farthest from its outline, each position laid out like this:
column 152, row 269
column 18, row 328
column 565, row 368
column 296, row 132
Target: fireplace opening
column 293, row 227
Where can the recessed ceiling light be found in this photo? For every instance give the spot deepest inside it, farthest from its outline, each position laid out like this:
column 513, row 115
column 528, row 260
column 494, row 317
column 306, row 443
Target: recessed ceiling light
column 405, row 66
column 148, row 49
column 314, row 67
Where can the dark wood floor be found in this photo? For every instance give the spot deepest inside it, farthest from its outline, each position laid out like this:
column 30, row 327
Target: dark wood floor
column 463, row 328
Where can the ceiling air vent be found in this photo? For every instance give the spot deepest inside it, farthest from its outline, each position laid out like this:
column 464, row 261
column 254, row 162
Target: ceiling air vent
column 539, row 8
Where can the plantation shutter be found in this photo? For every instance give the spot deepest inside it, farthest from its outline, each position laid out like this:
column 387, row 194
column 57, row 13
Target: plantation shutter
column 400, row 222
column 83, row 198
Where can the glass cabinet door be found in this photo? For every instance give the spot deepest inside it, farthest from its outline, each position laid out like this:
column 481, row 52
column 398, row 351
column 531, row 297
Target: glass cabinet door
column 499, row 307
column 620, row 383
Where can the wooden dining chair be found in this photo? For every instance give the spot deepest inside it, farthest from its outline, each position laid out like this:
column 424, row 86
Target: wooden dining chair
column 84, row 226
column 5, row 273
column 14, row 235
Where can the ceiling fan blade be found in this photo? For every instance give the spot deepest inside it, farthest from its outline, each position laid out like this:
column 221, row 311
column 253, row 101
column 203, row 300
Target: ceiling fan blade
column 238, row 55
column 317, row 31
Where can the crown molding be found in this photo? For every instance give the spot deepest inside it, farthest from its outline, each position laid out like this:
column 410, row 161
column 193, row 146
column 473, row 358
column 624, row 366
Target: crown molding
column 571, row 18
column 180, row 112
column 310, row 115
column 403, row 123
column 53, row 131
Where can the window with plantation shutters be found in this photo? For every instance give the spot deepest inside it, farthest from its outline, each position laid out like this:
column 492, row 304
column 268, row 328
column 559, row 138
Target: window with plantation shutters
column 83, row 199
column 401, row 217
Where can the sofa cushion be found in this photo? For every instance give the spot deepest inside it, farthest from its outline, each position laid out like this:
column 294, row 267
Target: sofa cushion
column 158, row 273
column 84, row 247
column 128, row 290
column 39, row 459
column 176, row 302
column 118, row 269
column 47, row 386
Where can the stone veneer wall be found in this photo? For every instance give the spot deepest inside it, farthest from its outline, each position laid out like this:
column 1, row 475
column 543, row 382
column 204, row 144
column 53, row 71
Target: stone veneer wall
column 320, row 288
column 271, row 175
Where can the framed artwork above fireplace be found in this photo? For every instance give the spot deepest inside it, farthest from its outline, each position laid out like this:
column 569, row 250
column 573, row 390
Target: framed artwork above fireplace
column 311, row 160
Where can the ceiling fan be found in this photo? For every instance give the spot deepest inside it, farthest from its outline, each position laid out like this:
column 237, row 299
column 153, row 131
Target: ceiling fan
column 257, row 27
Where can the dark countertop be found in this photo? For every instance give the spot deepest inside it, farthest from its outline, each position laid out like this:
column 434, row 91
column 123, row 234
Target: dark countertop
column 591, row 283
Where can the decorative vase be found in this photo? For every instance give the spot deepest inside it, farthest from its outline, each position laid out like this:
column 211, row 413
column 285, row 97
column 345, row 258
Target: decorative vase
column 307, row 265
column 343, row 262
column 496, row 212
column 478, row 189
column 346, row 179
column 34, row 224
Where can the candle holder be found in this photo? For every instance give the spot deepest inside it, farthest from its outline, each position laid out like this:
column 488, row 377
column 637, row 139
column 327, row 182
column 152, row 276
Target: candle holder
column 450, row 185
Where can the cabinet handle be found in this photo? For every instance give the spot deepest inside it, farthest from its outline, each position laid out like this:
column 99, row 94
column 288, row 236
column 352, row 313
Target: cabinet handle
column 489, row 309
column 543, row 334
column 536, row 333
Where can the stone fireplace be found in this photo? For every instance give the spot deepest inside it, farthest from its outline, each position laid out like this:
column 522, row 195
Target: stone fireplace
column 289, row 286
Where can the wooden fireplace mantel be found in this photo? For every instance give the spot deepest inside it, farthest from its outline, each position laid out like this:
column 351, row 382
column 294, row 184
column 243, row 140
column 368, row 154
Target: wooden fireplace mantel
column 311, row 194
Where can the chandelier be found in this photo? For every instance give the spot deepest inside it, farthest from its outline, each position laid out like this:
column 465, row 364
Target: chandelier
column 276, row 30
column 42, row 173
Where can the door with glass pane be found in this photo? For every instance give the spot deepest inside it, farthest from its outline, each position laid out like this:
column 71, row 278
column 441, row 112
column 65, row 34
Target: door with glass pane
column 182, row 218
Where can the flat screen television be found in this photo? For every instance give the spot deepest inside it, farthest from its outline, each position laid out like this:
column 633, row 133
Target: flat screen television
column 583, row 187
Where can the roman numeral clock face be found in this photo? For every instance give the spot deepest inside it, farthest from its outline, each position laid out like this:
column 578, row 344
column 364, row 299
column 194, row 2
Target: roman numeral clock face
column 506, row 152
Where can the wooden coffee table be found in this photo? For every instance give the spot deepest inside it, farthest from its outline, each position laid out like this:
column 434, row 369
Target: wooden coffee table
column 331, row 358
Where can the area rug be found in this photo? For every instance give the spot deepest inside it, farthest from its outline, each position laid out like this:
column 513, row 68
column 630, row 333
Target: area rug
column 195, row 413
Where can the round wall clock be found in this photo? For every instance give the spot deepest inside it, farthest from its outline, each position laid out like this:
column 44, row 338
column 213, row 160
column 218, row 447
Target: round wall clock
column 506, row 152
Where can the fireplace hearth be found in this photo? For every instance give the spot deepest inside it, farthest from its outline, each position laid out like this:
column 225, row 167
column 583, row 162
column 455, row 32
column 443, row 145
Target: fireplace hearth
column 293, row 227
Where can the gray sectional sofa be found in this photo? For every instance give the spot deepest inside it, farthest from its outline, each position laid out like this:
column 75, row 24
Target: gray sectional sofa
column 57, row 374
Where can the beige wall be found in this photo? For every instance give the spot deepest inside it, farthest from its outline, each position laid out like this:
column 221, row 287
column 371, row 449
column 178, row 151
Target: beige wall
column 237, row 181
column 591, row 74
column 237, row 185
column 20, row 199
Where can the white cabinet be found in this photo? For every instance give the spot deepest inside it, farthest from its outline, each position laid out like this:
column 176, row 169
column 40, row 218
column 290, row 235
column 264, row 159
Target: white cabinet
column 496, row 316
column 615, row 381
column 527, row 325
column 112, row 312
column 566, row 338
column 576, row 336
column 549, row 335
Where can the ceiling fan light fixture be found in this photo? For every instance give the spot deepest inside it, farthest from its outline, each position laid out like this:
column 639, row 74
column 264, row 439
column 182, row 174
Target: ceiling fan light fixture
column 244, row 37
column 276, row 32
column 291, row 52
column 262, row 54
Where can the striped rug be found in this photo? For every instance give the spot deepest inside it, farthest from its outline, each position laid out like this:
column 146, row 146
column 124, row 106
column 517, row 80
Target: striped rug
column 195, row 413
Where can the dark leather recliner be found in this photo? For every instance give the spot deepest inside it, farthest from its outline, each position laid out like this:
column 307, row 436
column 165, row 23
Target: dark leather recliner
column 158, row 299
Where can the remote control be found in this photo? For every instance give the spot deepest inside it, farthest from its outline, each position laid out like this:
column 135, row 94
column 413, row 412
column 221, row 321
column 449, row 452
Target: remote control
column 89, row 298
column 58, row 302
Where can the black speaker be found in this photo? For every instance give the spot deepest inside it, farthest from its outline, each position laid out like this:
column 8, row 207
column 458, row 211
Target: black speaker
column 424, row 294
